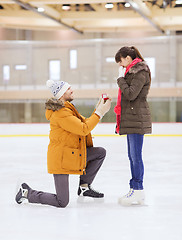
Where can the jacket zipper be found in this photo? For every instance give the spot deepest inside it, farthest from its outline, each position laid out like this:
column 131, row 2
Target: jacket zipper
column 85, row 161
column 121, row 111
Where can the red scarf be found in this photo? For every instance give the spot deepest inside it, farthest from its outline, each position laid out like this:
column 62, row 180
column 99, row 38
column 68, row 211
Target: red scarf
column 117, row 108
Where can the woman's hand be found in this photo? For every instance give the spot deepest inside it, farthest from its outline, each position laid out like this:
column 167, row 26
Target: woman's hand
column 121, row 71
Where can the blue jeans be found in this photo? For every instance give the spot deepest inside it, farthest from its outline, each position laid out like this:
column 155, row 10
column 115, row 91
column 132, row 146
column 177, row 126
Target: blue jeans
column 135, row 143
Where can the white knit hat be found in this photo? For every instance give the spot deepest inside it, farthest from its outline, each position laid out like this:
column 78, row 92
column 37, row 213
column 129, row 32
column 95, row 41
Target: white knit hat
column 58, row 88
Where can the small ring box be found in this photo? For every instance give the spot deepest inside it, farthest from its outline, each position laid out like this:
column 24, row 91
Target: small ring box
column 105, row 97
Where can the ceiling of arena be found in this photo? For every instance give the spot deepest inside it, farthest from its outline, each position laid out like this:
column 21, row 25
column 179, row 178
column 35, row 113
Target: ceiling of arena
column 92, row 15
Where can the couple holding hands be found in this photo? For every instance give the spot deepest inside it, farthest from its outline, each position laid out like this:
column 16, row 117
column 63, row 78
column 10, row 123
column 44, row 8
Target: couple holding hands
column 71, row 149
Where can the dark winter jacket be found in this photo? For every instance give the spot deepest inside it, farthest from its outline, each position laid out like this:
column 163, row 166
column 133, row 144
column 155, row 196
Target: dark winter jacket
column 135, row 113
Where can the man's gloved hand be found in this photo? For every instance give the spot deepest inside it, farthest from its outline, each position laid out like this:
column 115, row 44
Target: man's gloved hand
column 102, row 108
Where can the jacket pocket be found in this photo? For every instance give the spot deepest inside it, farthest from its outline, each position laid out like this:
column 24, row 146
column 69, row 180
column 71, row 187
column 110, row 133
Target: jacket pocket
column 71, row 159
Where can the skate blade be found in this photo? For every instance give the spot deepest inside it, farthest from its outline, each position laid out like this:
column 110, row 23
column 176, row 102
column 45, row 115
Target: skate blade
column 85, row 200
column 132, row 204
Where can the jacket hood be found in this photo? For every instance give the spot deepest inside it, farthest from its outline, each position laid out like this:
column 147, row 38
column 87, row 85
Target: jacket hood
column 52, row 105
column 139, row 67
column 48, row 114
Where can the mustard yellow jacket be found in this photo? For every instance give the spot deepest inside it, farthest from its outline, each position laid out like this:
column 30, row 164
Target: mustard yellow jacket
column 69, row 136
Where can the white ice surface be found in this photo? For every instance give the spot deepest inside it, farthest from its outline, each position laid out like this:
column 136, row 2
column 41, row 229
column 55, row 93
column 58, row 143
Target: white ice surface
column 24, row 159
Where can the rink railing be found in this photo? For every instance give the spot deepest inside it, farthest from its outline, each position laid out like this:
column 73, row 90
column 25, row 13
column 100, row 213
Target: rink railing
column 93, row 135
column 101, row 130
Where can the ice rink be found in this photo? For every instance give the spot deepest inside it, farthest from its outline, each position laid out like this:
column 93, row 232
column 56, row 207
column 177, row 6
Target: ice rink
column 23, row 149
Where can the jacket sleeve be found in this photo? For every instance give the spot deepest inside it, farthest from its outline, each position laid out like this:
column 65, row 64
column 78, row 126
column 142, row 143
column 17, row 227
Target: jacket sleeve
column 73, row 124
column 131, row 92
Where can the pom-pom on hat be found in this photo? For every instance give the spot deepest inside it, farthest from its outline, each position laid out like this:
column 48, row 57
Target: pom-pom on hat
column 58, row 88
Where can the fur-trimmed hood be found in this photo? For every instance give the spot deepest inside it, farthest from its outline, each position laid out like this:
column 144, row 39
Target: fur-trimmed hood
column 139, row 67
column 54, row 104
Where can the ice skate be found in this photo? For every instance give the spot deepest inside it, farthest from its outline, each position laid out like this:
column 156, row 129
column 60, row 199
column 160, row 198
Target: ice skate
column 21, row 196
column 88, row 191
column 134, row 197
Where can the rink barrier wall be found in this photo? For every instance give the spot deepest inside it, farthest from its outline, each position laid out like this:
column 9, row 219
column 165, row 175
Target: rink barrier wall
column 36, row 94
column 13, row 130
column 93, row 135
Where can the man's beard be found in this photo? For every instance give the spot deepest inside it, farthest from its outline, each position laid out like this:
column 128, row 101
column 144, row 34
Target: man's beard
column 69, row 99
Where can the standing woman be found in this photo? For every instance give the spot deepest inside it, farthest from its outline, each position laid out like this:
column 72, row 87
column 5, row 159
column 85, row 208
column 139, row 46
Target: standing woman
column 133, row 116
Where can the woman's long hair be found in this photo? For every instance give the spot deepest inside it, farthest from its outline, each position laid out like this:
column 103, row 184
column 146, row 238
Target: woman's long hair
column 128, row 51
